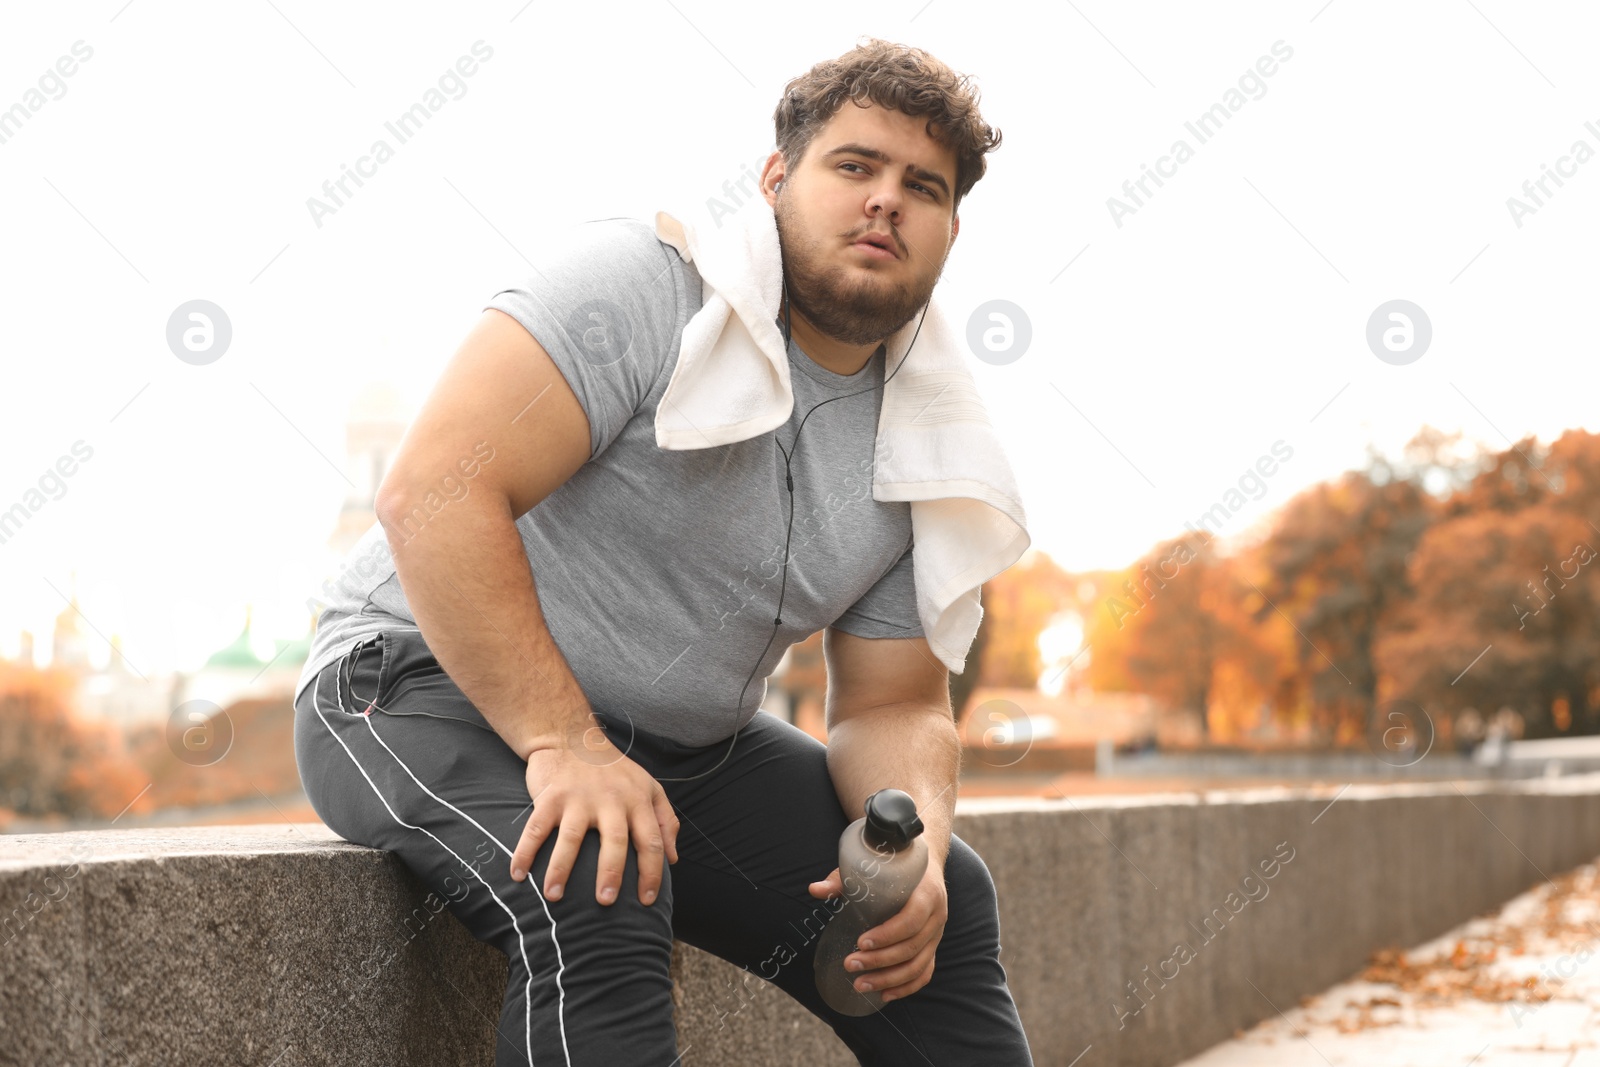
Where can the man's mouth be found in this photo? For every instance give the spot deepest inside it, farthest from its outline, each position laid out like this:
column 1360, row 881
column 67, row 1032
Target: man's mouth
column 877, row 245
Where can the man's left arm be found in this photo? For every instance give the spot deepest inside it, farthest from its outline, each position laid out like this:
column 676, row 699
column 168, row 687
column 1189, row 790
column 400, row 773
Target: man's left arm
column 890, row 726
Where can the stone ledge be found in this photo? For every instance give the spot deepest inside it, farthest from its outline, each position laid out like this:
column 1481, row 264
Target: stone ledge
column 284, row 945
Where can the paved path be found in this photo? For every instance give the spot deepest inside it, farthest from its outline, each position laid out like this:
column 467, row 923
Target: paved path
column 1520, row 988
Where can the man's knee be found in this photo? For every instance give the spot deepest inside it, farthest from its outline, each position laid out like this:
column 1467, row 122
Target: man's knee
column 973, row 902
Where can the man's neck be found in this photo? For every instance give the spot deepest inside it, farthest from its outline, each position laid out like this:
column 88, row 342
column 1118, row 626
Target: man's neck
column 825, row 352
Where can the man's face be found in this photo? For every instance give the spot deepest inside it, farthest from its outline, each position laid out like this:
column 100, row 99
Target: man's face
column 839, row 195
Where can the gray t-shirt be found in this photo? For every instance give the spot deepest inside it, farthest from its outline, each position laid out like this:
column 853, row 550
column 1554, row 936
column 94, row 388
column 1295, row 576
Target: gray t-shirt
column 658, row 571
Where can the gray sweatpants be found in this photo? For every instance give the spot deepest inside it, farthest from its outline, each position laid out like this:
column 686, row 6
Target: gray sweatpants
column 394, row 756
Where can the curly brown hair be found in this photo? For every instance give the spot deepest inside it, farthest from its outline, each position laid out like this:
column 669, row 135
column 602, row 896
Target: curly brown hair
column 895, row 76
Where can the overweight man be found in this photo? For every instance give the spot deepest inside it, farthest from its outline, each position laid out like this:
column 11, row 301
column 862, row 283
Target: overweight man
column 541, row 687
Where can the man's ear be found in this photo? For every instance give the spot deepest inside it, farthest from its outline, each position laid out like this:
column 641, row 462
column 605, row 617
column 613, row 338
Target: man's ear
column 774, row 164
column 955, row 227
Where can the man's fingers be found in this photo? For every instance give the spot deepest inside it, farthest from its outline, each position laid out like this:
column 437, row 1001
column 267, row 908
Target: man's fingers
column 617, row 798
column 916, row 926
column 537, row 829
column 898, row 974
column 921, row 973
column 907, row 924
column 888, row 955
column 667, row 821
column 613, row 856
column 829, row 886
column 574, row 826
column 651, row 846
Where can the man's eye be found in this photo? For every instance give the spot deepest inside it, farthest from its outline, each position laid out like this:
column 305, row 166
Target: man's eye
column 914, row 185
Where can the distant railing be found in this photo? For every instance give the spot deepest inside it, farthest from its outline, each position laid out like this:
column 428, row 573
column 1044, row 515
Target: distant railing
column 1494, row 760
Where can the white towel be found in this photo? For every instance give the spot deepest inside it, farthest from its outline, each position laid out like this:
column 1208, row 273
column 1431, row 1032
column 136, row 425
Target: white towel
column 935, row 445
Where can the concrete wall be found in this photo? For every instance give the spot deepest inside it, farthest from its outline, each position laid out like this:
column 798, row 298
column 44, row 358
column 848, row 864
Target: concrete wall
column 280, row 945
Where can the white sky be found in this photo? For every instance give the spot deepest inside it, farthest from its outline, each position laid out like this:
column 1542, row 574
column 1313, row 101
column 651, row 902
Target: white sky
column 1224, row 315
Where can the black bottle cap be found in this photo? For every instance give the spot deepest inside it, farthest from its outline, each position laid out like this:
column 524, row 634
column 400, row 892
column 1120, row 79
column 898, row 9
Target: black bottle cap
column 892, row 820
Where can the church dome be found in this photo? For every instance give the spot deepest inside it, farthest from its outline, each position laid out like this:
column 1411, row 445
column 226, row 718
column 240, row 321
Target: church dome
column 239, row 654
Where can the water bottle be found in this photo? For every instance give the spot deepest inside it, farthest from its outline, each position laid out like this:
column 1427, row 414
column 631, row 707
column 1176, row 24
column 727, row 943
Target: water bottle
column 881, row 860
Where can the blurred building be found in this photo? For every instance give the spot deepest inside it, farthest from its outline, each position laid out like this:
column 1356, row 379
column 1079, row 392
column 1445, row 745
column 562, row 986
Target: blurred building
column 248, row 668
column 69, row 647
column 117, row 693
column 372, row 434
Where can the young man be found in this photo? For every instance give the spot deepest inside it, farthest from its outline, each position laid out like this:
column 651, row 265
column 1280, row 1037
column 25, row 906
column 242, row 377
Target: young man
column 610, row 696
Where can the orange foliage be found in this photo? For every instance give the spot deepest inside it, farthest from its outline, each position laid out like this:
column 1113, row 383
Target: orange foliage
column 52, row 762
column 1018, row 604
column 1473, row 592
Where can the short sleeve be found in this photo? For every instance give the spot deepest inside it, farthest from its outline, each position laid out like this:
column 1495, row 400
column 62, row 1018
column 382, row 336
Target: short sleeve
column 602, row 300
column 889, row 608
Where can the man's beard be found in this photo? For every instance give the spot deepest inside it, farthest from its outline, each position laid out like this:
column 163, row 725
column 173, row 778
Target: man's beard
column 860, row 312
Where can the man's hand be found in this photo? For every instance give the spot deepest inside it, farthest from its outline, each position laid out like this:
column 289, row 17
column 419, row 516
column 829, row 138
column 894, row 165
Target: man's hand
column 590, row 783
column 901, row 953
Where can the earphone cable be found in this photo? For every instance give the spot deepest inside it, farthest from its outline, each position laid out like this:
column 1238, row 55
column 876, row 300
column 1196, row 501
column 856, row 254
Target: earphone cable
column 788, row 536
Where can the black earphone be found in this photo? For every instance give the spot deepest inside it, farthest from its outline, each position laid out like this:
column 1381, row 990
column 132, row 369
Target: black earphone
column 789, row 480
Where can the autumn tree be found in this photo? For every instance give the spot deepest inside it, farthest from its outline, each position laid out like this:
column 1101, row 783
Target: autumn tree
column 1164, row 626
column 1019, row 603
column 1256, row 667
column 1504, row 611
column 1335, row 564
column 51, row 762
column 1500, row 617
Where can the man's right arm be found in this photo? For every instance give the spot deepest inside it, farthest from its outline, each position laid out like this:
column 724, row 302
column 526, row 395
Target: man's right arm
column 463, row 570
column 466, row 578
